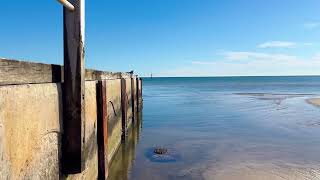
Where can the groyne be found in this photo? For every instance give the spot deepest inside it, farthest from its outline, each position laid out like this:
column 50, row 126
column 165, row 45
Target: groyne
column 32, row 120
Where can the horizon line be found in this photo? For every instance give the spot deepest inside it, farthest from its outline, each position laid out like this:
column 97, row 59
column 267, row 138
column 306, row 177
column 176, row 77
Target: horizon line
column 229, row 76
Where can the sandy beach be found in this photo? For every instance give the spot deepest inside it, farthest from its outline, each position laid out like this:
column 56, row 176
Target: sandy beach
column 314, row 101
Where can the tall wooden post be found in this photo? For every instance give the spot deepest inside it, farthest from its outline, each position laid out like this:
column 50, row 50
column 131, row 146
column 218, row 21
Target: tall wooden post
column 138, row 94
column 124, row 106
column 133, row 100
column 102, row 132
column 73, row 91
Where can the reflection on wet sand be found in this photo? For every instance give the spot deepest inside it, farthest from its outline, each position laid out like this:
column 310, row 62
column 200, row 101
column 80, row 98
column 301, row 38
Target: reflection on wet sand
column 122, row 162
column 277, row 162
column 275, row 97
column 314, row 101
column 252, row 171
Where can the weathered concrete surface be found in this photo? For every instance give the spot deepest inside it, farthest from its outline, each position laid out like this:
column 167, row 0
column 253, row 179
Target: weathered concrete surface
column 30, row 117
column 90, row 135
column 114, row 116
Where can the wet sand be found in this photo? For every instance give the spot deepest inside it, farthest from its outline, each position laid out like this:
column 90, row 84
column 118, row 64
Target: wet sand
column 314, row 101
column 281, row 97
column 264, row 170
column 256, row 171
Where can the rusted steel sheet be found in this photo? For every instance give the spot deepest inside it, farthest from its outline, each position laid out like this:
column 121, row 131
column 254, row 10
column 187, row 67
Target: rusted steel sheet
column 102, row 130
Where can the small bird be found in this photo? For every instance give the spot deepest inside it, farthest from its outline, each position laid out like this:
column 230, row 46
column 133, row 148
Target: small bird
column 131, row 72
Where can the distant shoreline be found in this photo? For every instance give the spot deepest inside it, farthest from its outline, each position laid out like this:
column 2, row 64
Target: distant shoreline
column 231, row 76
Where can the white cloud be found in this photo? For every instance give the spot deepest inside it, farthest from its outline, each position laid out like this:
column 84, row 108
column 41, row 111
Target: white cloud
column 277, row 44
column 203, row 62
column 311, row 25
column 243, row 55
column 307, row 44
column 316, row 57
column 241, row 63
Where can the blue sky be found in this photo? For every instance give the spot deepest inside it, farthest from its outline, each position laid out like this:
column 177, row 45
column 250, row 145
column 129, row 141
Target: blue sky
column 174, row 37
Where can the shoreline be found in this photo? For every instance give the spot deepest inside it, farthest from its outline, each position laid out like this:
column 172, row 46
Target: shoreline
column 314, row 101
column 262, row 171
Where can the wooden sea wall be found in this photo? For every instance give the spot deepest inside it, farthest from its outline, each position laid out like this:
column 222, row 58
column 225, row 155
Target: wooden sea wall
column 31, row 119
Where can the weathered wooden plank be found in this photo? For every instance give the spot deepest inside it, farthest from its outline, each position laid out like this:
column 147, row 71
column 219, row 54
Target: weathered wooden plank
column 140, row 93
column 124, row 106
column 129, row 103
column 99, row 75
column 133, row 99
column 114, row 116
column 102, row 130
column 141, row 83
column 137, row 94
column 19, row 72
column 74, row 90
column 30, row 119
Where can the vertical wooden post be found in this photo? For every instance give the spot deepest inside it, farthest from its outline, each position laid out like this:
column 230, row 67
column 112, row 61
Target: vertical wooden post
column 133, row 100
column 124, row 107
column 140, row 91
column 102, row 130
column 137, row 94
column 73, row 92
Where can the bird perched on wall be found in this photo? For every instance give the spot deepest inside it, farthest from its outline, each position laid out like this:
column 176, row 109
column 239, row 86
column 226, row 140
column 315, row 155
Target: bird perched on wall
column 131, row 72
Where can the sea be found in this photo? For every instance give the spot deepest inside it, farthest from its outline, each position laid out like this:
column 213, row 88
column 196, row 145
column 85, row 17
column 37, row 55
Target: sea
column 224, row 128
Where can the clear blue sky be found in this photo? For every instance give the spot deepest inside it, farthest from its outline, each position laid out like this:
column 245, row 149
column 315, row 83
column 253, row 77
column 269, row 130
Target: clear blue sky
column 174, row 37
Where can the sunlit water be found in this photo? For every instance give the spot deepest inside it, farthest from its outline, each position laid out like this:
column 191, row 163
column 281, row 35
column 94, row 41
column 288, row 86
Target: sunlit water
column 225, row 128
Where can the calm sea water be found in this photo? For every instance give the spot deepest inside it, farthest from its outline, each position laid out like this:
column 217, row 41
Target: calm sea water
column 225, row 127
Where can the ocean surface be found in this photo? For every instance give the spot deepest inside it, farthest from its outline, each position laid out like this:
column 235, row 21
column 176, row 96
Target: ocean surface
column 224, row 128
